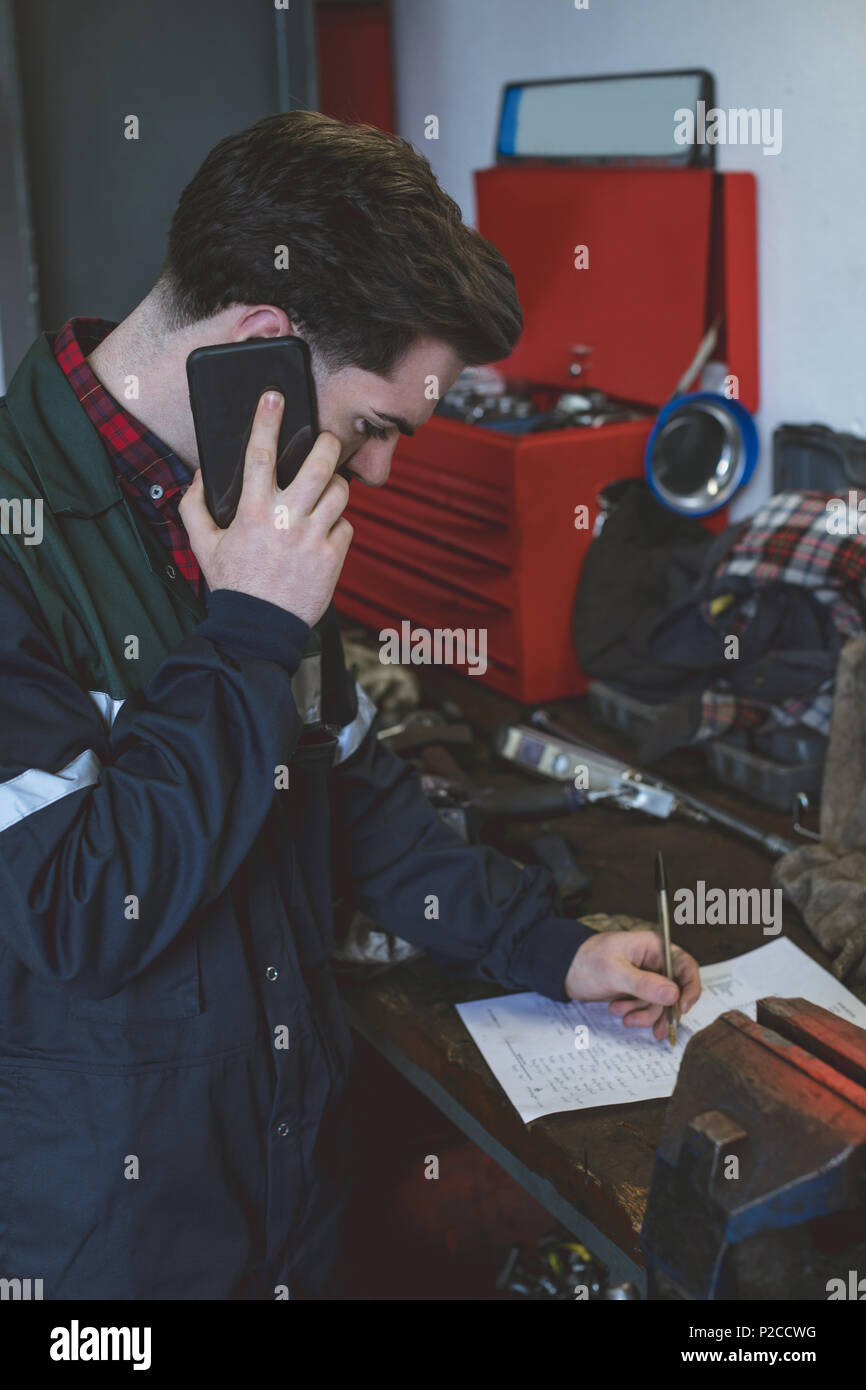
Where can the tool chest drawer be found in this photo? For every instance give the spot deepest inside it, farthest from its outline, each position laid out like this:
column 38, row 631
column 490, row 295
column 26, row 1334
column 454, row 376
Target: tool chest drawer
column 483, row 535
column 431, row 467
column 477, row 578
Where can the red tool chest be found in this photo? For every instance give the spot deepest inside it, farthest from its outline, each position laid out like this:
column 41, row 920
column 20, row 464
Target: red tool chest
column 476, row 528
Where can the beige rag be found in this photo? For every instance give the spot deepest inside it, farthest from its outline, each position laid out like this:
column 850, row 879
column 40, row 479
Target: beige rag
column 826, row 881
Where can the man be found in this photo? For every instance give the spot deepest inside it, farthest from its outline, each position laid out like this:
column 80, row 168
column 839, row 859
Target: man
column 189, row 776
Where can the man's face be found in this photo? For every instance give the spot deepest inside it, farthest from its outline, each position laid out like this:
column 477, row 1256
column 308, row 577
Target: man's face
column 354, row 405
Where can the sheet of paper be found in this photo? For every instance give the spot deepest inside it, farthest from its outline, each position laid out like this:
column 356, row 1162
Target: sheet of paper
column 550, row 1057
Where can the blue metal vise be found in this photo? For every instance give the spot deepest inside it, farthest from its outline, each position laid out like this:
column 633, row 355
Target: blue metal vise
column 759, row 1183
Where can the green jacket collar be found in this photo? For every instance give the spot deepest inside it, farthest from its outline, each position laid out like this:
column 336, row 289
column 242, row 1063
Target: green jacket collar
column 67, row 455
column 76, row 476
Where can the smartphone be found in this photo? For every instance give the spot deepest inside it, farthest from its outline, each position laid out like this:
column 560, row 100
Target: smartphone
column 226, row 382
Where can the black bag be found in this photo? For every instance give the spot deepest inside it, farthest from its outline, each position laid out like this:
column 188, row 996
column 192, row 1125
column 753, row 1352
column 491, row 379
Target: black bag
column 645, row 560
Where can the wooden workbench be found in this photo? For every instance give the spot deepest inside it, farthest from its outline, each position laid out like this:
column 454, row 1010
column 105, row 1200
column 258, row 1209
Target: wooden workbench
column 591, row 1169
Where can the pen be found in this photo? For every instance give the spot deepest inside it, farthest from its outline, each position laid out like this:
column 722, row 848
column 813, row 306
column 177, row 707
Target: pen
column 665, row 927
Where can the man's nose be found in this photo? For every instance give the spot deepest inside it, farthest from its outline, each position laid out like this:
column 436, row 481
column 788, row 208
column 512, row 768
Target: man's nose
column 372, row 462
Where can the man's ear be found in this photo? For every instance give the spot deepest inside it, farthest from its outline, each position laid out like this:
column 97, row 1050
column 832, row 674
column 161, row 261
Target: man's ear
column 263, row 321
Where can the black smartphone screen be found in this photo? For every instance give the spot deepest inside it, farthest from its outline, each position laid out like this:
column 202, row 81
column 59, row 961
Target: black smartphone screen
column 226, row 382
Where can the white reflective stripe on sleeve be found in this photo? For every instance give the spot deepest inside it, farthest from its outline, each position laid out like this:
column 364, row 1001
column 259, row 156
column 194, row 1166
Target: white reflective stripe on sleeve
column 107, row 705
column 351, row 736
column 35, row 788
column 32, row 790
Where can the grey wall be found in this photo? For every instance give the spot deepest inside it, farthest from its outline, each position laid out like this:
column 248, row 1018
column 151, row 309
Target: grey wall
column 17, row 265
column 191, row 72
column 452, row 56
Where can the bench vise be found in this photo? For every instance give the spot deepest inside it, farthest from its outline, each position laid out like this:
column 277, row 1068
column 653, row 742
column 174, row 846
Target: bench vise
column 759, row 1182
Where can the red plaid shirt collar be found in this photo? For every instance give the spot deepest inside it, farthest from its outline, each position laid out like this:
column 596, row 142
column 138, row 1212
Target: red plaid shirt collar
column 151, row 475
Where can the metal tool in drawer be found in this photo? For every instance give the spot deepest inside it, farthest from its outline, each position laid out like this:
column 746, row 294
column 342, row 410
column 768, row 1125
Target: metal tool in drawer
column 547, row 749
column 522, row 408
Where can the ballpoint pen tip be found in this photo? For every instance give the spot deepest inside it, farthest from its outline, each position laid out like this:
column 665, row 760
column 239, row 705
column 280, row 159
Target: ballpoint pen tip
column 661, row 879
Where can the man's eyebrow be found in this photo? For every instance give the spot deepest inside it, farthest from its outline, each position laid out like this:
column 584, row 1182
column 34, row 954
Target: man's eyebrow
column 403, row 425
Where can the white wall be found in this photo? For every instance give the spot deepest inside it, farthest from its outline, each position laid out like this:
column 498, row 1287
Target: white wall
column 806, row 56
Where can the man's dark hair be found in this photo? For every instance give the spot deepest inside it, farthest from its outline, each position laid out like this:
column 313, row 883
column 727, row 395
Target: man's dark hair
column 378, row 254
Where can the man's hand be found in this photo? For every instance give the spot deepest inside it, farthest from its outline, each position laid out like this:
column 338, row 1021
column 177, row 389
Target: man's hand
column 627, row 967
column 294, row 565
